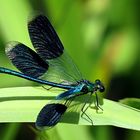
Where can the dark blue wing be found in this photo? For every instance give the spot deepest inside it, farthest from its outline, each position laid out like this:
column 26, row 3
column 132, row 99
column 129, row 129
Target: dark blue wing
column 50, row 49
column 44, row 38
column 50, row 115
column 26, row 60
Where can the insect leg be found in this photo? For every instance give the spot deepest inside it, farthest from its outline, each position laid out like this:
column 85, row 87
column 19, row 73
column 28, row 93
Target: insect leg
column 83, row 110
column 97, row 102
column 47, row 88
column 51, row 86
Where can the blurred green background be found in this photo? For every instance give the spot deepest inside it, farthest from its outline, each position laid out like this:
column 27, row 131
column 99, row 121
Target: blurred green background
column 103, row 38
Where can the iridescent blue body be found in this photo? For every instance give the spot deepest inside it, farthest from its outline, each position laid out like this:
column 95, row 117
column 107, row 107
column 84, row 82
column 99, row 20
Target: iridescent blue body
column 52, row 62
column 82, row 87
column 12, row 72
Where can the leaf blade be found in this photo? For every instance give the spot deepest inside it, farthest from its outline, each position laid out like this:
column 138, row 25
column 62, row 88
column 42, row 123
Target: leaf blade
column 22, row 104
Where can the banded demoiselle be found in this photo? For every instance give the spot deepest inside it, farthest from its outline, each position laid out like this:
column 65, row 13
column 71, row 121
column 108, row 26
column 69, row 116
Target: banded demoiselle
column 52, row 61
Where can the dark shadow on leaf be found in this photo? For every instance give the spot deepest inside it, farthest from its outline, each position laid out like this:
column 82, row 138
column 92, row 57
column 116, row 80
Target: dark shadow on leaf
column 71, row 117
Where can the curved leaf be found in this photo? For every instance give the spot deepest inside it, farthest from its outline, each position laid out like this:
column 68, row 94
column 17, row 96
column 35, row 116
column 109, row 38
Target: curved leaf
column 133, row 102
column 22, row 104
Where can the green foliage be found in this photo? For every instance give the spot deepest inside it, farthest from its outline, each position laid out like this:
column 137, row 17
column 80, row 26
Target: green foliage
column 28, row 101
column 103, row 39
column 133, row 102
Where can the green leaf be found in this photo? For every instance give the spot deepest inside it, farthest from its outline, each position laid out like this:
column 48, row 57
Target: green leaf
column 22, row 104
column 133, row 102
column 116, row 114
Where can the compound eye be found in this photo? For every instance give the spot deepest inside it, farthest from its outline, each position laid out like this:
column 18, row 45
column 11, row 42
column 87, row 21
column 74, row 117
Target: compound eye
column 84, row 89
column 97, row 81
column 102, row 89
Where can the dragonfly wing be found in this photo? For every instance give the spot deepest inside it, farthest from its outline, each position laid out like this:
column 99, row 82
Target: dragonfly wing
column 25, row 59
column 44, row 38
column 50, row 49
column 50, row 115
column 63, row 70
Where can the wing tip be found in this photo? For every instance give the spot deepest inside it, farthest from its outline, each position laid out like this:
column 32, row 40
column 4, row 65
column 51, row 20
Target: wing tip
column 50, row 115
column 10, row 45
column 34, row 16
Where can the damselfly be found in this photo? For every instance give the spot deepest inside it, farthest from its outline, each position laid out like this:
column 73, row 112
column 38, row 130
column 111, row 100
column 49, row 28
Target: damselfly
column 51, row 61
